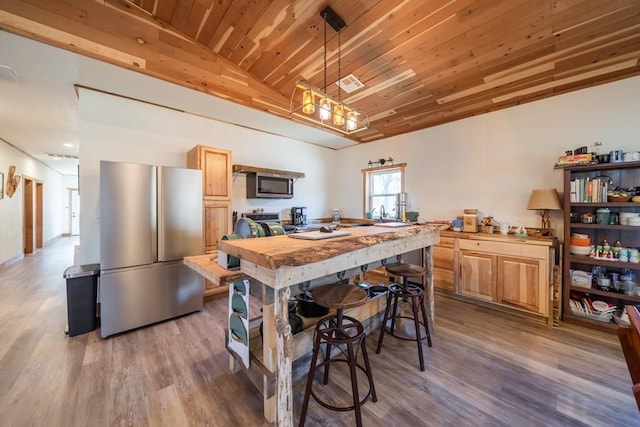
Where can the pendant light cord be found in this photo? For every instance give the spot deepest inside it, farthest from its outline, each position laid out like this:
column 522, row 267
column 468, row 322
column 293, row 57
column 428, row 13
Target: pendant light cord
column 339, row 64
column 325, row 52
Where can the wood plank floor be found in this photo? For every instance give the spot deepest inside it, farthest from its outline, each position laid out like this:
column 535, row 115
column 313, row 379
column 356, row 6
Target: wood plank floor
column 485, row 368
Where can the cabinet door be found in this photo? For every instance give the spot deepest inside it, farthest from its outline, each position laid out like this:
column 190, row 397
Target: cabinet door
column 519, row 283
column 216, row 170
column 217, row 222
column 477, row 278
column 443, row 267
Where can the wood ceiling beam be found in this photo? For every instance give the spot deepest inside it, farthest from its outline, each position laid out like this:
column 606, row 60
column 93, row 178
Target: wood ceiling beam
column 122, row 34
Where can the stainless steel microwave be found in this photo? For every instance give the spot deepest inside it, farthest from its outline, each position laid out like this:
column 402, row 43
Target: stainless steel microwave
column 262, row 185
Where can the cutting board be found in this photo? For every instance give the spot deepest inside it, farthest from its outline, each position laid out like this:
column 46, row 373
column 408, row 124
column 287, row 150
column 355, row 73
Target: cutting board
column 393, row 224
column 318, row 235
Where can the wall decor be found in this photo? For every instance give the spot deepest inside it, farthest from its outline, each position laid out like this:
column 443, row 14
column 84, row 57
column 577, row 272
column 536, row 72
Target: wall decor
column 1, row 185
column 12, row 181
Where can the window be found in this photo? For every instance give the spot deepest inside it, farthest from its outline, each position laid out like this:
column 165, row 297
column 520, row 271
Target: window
column 382, row 186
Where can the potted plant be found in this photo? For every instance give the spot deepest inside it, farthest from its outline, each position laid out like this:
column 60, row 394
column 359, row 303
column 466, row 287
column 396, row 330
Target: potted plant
column 371, row 213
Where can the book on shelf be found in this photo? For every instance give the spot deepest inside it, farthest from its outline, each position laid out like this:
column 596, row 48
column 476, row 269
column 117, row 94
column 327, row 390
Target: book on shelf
column 588, row 190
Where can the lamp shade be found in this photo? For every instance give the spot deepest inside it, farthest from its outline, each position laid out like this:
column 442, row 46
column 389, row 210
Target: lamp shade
column 546, row 198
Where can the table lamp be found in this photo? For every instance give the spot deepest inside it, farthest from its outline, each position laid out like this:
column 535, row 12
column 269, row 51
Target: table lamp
column 544, row 200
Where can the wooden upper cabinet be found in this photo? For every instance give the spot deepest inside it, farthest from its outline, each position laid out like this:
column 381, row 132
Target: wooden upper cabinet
column 215, row 164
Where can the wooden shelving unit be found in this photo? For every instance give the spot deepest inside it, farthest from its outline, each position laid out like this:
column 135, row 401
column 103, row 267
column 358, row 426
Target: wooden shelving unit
column 623, row 175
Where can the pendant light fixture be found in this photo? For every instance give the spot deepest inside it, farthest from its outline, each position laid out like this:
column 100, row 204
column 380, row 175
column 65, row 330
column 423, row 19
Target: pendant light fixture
column 329, row 111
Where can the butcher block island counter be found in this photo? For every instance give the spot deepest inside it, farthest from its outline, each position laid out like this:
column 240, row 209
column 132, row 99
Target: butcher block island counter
column 282, row 266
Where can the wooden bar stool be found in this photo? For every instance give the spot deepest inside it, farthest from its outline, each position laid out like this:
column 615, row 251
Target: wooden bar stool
column 415, row 296
column 339, row 330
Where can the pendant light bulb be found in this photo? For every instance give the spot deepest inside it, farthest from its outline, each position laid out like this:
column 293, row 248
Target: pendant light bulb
column 338, row 115
column 325, row 109
column 308, row 102
column 352, row 120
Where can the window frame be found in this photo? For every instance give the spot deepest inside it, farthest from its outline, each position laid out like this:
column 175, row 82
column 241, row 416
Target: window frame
column 366, row 177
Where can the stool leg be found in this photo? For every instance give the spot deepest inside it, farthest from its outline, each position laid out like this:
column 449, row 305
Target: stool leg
column 416, row 321
column 312, row 370
column 328, row 349
column 326, row 367
column 396, row 297
column 384, row 322
column 354, row 384
column 365, row 356
column 426, row 319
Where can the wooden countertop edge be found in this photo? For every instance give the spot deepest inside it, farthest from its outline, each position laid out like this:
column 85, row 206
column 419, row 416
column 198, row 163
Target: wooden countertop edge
column 273, row 254
column 496, row 237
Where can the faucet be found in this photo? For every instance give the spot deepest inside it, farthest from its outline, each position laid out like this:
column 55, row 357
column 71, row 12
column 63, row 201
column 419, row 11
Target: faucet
column 382, row 212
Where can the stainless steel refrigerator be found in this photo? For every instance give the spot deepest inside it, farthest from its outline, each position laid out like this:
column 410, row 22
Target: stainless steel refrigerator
column 150, row 218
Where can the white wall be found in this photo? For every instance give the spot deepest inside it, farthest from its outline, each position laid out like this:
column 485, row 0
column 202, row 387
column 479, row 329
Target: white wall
column 11, row 208
column 489, row 162
column 492, row 162
column 119, row 129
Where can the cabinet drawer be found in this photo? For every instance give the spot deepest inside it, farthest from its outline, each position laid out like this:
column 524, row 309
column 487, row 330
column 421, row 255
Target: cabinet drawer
column 502, row 248
column 443, row 257
column 448, row 242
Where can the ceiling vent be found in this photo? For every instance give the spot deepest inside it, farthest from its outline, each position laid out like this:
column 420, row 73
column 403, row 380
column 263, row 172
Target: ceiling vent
column 62, row 156
column 350, row 83
column 8, row 74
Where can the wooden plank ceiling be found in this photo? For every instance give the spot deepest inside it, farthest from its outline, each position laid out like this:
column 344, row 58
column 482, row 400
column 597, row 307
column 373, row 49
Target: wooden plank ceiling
column 422, row 62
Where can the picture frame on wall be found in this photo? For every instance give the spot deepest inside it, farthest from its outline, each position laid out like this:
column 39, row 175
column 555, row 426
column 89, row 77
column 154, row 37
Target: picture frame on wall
column 1, row 185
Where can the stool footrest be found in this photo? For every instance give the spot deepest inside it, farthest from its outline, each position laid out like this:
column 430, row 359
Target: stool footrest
column 407, row 338
column 342, row 408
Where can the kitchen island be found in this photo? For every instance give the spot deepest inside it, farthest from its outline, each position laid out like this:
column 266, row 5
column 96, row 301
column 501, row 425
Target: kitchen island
column 280, row 266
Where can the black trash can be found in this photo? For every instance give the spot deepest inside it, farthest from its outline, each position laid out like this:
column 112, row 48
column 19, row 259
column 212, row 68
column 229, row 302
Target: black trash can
column 82, row 295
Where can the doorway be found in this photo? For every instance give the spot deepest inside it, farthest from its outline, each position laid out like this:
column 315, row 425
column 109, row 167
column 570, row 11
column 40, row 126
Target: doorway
column 33, row 214
column 74, row 212
column 39, row 215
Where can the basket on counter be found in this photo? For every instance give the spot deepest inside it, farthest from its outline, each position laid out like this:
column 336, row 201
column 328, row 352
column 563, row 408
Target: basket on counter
column 618, row 198
column 488, row 229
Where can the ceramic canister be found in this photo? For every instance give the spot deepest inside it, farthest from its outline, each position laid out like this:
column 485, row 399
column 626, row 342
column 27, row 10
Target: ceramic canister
column 615, row 156
column 631, row 156
column 602, row 216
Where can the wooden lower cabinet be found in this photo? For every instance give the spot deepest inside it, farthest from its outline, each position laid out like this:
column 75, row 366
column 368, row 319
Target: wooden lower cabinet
column 518, row 283
column 444, row 264
column 217, row 222
column 503, row 271
column 477, row 275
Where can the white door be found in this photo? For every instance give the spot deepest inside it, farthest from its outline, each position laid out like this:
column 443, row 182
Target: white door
column 74, row 211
